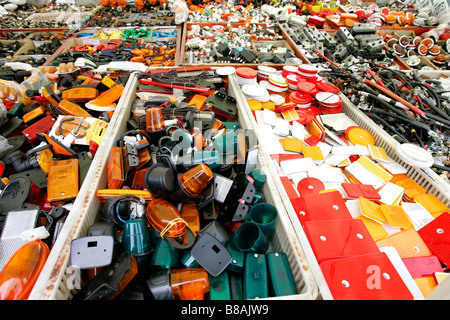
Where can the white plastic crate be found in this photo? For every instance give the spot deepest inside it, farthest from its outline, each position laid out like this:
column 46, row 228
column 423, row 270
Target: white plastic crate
column 54, row 283
column 425, row 177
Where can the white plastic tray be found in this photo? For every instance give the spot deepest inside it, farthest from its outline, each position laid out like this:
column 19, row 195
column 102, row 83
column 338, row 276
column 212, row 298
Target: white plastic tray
column 427, row 178
column 55, row 281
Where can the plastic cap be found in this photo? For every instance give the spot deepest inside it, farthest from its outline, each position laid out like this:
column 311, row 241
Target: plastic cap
column 155, row 119
column 135, row 236
column 189, row 284
column 165, row 218
column 196, row 179
column 22, row 270
column 415, row 155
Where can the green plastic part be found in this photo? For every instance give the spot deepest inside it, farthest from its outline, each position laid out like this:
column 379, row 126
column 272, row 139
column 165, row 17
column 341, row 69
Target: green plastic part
column 188, row 261
column 227, row 143
column 165, row 255
column 257, row 198
column 211, row 158
column 236, row 286
column 256, row 282
column 281, row 280
column 219, row 287
column 231, row 125
column 135, row 238
column 16, row 110
column 259, row 178
column 238, row 257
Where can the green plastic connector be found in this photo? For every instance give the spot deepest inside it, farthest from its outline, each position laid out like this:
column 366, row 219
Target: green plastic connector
column 256, row 282
column 281, row 279
column 219, row 287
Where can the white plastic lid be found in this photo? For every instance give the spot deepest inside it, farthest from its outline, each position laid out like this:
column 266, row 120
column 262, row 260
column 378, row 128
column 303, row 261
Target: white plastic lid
column 225, row 71
column 415, row 155
column 266, row 69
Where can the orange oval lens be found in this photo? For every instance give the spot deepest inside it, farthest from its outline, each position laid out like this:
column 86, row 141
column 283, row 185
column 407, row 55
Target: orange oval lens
column 154, row 119
column 196, row 179
column 161, row 214
column 139, row 4
column 189, row 284
column 109, row 96
column 22, row 270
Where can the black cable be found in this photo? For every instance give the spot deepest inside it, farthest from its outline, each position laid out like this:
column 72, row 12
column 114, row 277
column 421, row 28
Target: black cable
column 444, row 122
column 113, row 212
column 418, row 139
column 387, row 105
column 437, row 166
column 409, row 121
column 437, row 110
column 387, row 125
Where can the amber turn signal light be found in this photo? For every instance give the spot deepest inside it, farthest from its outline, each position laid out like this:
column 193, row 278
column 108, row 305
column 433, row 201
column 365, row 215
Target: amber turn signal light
column 154, row 119
column 22, row 270
column 165, row 218
column 196, row 179
column 189, row 284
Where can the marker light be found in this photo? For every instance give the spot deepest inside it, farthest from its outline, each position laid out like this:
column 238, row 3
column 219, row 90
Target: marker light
column 165, row 218
column 190, row 214
column 196, row 179
column 80, row 94
column 108, row 97
column 22, row 270
column 154, row 119
column 115, row 168
column 189, row 284
column 70, row 108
